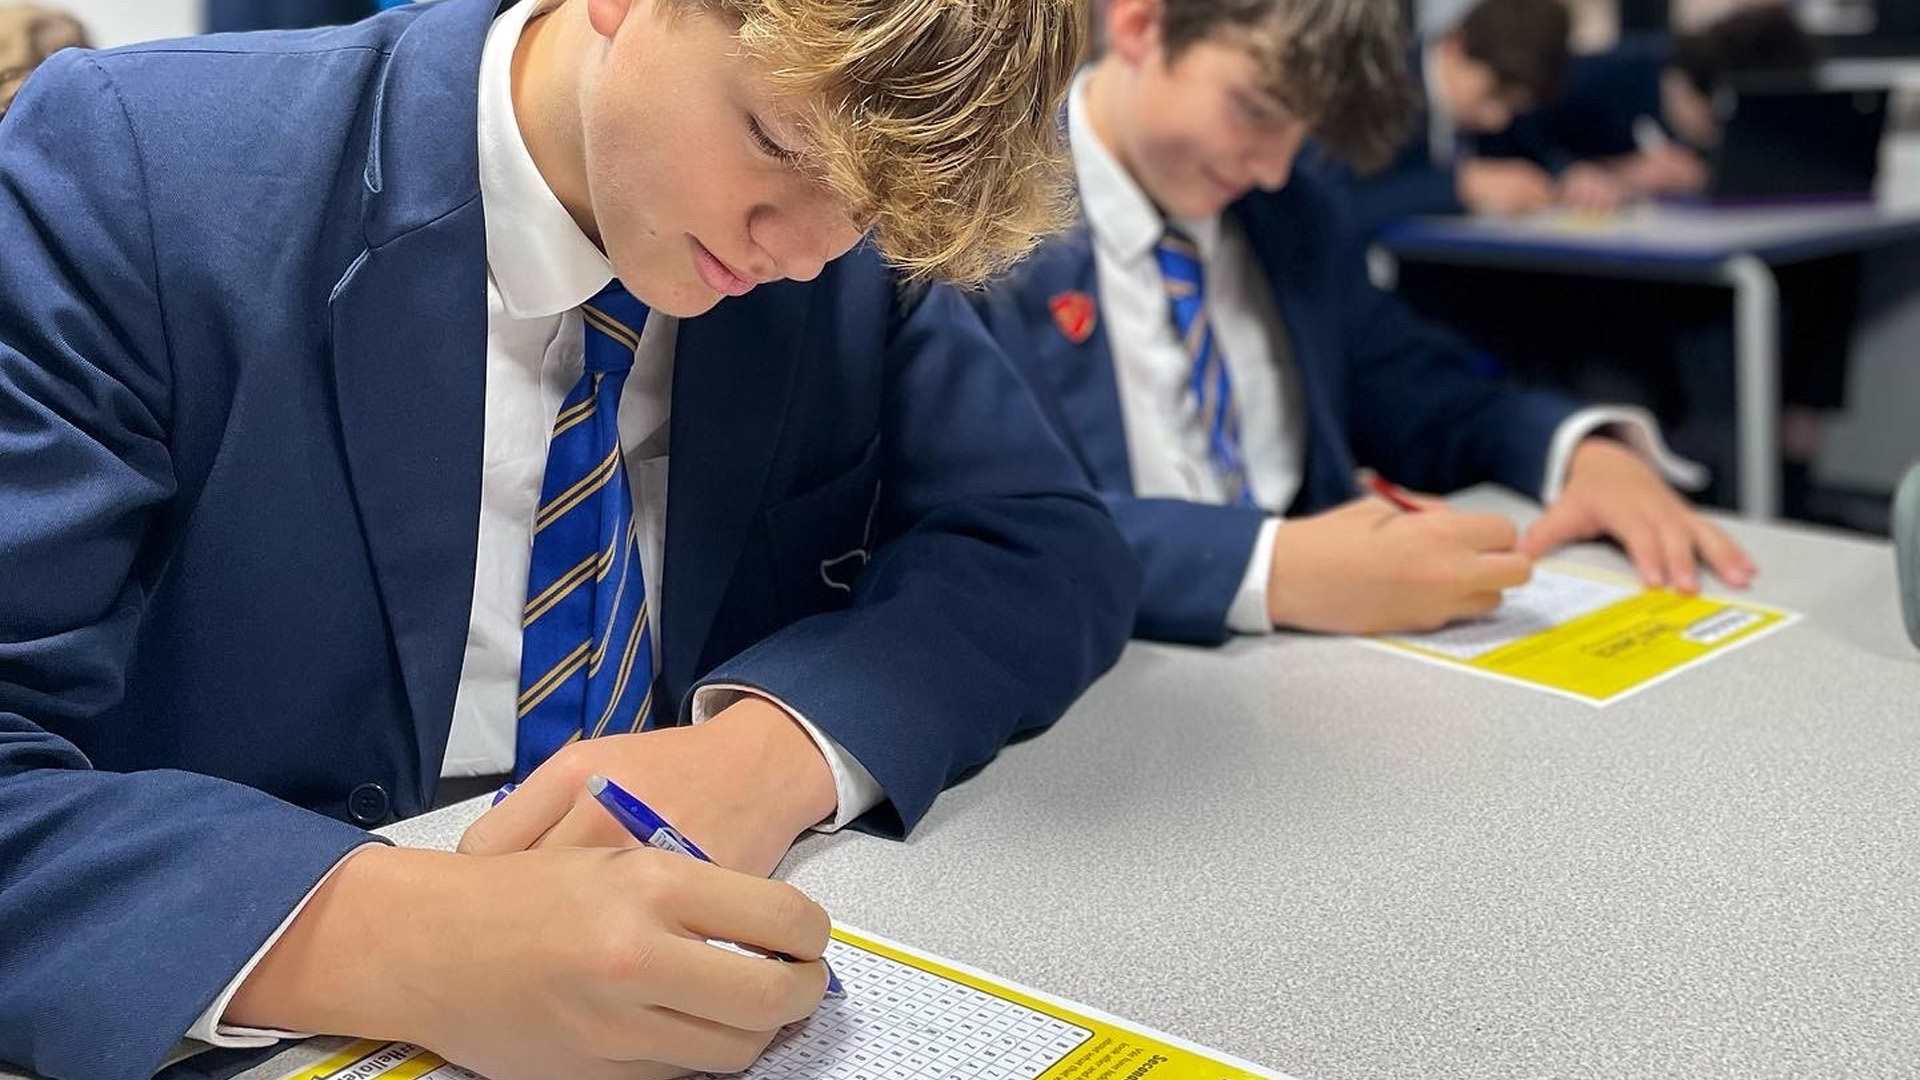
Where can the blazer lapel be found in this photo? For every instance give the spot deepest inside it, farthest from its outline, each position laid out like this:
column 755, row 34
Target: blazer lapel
column 409, row 327
column 733, row 373
column 1077, row 362
column 1318, row 355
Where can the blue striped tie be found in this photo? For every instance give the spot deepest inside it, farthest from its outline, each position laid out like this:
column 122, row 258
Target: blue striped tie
column 1210, row 385
column 586, row 663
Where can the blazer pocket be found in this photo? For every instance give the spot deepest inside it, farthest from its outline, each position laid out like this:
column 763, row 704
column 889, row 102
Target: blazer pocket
column 822, row 539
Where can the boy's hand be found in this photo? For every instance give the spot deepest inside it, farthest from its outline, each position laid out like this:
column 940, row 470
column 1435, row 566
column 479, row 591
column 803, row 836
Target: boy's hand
column 742, row 785
column 1612, row 492
column 1666, row 170
column 562, row 962
column 1368, row 568
column 1591, row 189
column 1507, row 188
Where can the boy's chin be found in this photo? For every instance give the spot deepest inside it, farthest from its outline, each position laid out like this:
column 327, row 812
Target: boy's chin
column 680, row 299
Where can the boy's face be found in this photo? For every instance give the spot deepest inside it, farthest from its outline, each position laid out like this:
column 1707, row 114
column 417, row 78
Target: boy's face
column 689, row 164
column 1199, row 133
column 1475, row 97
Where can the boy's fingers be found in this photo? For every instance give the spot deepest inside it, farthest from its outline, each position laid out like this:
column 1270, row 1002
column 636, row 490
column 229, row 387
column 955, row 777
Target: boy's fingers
column 519, row 820
column 1642, row 544
column 770, row 915
column 1676, row 540
column 1497, row 572
column 1723, row 555
column 1563, row 523
column 1481, row 532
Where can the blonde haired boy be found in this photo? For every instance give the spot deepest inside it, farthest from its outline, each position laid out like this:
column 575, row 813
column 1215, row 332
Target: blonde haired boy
column 344, row 380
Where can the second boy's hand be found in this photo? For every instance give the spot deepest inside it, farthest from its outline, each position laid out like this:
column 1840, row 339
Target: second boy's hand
column 1369, row 567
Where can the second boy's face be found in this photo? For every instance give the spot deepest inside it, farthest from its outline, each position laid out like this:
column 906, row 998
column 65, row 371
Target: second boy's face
column 1476, row 99
column 1204, row 131
column 689, row 162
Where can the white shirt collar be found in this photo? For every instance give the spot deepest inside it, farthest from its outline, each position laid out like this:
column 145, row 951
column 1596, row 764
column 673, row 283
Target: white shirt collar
column 1121, row 216
column 542, row 264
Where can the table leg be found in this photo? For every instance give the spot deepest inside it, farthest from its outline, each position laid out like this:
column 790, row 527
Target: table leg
column 1756, row 347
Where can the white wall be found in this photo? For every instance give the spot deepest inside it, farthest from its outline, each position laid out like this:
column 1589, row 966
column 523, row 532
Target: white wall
column 121, row 22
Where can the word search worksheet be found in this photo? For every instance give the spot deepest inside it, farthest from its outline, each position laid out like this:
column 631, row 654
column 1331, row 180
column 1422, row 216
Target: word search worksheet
column 906, row 1015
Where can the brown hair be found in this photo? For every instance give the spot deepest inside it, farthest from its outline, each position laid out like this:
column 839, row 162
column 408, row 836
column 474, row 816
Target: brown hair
column 1525, row 42
column 935, row 121
column 28, row 35
column 1762, row 39
column 1341, row 65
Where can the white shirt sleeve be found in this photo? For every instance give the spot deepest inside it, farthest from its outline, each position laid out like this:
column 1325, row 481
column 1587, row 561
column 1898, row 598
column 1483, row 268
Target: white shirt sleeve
column 1633, row 426
column 208, row 1029
column 859, row 791
column 1248, row 615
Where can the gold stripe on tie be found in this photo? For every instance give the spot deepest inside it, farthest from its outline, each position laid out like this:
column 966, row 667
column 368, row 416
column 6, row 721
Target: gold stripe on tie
column 543, row 689
column 576, row 415
column 606, row 559
column 611, row 327
column 581, row 490
column 1181, row 244
column 559, row 590
column 1179, row 289
column 626, row 669
column 619, row 590
column 1196, row 337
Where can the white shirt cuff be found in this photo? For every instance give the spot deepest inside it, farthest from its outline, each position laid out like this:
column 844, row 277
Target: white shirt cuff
column 859, row 791
column 1633, row 426
column 208, row 1029
column 1248, row 615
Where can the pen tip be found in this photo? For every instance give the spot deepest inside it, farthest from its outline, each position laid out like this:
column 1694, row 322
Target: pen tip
column 596, row 784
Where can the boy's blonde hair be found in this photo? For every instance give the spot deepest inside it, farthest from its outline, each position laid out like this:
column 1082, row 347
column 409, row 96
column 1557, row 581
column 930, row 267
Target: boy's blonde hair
column 936, row 121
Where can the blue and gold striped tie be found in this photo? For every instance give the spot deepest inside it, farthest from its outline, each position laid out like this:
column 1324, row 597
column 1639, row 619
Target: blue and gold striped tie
column 586, row 662
column 1209, row 383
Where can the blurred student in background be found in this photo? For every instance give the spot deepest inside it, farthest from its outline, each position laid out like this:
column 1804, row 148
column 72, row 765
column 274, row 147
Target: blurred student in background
column 29, row 34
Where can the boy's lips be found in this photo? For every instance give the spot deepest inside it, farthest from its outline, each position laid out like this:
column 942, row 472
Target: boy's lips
column 719, row 277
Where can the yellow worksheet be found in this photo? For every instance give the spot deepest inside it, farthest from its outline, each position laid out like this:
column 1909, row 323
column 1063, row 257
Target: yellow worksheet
column 907, row 1014
column 1592, row 636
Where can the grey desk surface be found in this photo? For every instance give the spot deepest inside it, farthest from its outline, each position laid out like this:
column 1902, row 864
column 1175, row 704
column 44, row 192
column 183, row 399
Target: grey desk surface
column 1342, row 863
column 1650, row 237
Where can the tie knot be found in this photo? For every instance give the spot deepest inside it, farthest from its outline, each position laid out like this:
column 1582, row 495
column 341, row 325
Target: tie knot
column 1179, row 259
column 614, row 320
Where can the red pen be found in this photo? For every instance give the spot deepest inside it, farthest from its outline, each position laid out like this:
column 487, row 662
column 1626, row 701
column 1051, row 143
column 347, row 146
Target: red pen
column 1393, row 493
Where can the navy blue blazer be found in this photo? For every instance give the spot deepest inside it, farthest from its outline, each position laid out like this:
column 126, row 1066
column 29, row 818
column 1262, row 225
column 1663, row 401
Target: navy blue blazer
column 1412, row 182
column 242, row 341
column 1381, row 387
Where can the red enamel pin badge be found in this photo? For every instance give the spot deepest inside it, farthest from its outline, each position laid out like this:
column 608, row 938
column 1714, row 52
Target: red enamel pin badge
column 1074, row 314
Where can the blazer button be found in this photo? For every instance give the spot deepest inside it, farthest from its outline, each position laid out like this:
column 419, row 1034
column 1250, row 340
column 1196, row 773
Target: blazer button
column 368, row 805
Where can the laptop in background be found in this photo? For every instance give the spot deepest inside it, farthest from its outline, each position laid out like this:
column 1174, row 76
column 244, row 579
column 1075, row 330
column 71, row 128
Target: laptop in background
column 1790, row 141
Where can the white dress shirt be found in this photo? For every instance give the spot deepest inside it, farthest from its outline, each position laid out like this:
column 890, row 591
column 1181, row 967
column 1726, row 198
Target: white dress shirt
column 540, row 269
column 1166, row 439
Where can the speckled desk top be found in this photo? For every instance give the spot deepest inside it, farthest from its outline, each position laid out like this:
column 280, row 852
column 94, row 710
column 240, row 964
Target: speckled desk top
column 1343, row 863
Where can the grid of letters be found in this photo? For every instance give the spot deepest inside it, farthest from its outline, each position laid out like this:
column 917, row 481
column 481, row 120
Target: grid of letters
column 900, row 1023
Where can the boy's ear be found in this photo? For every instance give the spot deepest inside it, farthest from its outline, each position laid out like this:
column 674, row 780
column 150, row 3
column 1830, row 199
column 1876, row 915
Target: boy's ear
column 606, row 16
column 1133, row 29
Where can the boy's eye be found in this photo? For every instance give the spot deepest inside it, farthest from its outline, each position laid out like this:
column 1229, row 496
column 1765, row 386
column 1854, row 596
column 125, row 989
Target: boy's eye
column 767, row 145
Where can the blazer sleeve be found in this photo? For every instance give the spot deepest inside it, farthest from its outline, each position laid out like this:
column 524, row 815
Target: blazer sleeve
column 997, row 589
column 127, row 900
column 1193, row 558
column 1416, row 409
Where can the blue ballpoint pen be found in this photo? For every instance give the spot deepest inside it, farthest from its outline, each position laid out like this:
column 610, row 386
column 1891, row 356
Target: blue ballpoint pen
column 652, row 830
